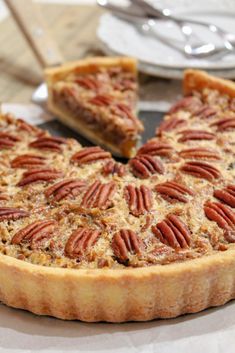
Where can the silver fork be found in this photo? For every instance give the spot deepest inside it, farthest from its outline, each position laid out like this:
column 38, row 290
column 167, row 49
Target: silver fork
column 227, row 37
column 145, row 20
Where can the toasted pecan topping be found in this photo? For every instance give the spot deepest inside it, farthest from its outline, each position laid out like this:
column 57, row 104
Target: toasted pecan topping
column 112, row 167
column 169, row 125
column 205, row 112
column 90, row 154
column 3, row 197
column 126, row 242
column 139, row 199
column 173, row 232
column 227, row 195
column 201, row 170
column 226, row 124
column 148, row 222
column 7, row 140
column 80, row 241
column 156, row 148
column 38, row 175
column 10, row 213
column 221, row 214
column 102, row 100
column 229, row 235
column 88, row 82
column 190, row 104
column 34, row 233
column 124, row 110
column 68, row 188
column 125, row 85
column 99, row 195
column 188, row 135
column 172, row 190
column 200, row 153
column 48, row 143
column 143, row 166
column 22, row 125
column 27, row 161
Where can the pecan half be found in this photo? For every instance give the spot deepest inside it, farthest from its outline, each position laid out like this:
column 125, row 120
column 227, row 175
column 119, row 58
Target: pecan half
column 27, row 161
column 199, row 153
column 122, row 109
column 190, row 104
column 38, row 175
column 90, row 154
column 88, row 82
column 188, row 135
column 174, row 191
column 156, row 148
column 22, row 125
column 225, row 124
column 102, row 100
column 34, row 233
column 7, row 140
column 48, row 143
column 143, row 166
column 99, row 195
column 124, row 243
column 80, row 241
column 139, row 199
column 227, row 195
column 201, row 170
column 10, row 213
column 221, row 214
column 205, row 112
column 169, row 125
column 112, row 167
column 173, row 232
column 69, row 188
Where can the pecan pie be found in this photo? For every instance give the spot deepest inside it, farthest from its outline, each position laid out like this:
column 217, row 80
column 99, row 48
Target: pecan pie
column 97, row 97
column 85, row 237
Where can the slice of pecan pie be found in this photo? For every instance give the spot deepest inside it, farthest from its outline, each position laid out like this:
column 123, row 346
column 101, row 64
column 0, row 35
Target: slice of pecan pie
column 97, row 97
column 85, row 237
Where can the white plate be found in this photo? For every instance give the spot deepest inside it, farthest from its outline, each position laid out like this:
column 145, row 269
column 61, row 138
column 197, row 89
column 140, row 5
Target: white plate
column 125, row 39
column 176, row 74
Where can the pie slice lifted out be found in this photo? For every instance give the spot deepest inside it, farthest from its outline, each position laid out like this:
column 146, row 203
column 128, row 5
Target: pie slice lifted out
column 97, row 97
column 84, row 237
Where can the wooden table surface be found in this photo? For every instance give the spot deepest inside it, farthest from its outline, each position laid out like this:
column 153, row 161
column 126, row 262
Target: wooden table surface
column 73, row 28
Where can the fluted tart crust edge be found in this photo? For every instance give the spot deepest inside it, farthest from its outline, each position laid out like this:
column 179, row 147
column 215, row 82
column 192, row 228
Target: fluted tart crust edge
column 119, row 295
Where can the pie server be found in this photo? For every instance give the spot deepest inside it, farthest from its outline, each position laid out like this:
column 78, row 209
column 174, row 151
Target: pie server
column 31, row 23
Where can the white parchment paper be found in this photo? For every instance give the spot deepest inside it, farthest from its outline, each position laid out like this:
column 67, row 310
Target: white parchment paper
column 212, row 330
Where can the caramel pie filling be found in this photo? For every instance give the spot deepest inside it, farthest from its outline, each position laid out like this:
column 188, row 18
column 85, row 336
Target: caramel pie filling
column 64, row 205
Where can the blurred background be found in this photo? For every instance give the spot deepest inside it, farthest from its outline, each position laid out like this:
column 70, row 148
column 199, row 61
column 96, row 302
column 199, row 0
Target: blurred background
column 163, row 46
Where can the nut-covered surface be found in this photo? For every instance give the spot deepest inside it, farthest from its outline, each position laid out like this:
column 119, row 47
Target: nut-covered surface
column 62, row 205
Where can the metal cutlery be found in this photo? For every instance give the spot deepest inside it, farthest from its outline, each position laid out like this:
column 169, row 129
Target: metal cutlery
column 143, row 15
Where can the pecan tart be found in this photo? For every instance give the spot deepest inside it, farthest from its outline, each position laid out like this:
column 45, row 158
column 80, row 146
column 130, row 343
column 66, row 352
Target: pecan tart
column 97, row 97
column 85, row 237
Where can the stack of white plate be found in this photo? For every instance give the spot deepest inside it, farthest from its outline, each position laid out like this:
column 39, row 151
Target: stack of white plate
column 155, row 57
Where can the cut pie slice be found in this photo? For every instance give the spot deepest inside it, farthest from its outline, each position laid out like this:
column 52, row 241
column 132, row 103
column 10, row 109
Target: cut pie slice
column 97, row 97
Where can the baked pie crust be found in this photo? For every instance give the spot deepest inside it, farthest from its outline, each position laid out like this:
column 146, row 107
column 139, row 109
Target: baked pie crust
column 126, row 287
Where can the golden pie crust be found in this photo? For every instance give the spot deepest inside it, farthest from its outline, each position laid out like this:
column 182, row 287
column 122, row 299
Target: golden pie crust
column 125, row 294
